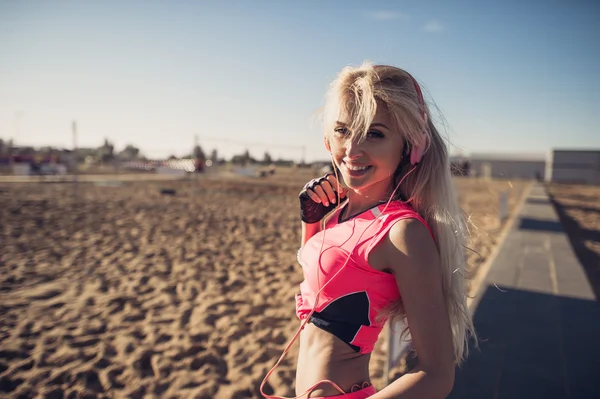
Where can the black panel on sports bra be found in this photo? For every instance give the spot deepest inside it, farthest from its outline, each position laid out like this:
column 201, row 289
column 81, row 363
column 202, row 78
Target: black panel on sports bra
column 344, row 317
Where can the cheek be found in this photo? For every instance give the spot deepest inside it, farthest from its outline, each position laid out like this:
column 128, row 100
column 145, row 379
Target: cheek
column 391, row 156
column 336, row 149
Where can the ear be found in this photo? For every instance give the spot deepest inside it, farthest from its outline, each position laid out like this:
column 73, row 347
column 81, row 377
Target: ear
column 326, row 142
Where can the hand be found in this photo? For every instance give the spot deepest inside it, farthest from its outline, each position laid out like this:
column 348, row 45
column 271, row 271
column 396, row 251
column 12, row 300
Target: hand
column 319, row 197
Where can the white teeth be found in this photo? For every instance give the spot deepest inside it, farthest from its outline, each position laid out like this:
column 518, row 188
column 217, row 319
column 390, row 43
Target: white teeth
column 356, row 168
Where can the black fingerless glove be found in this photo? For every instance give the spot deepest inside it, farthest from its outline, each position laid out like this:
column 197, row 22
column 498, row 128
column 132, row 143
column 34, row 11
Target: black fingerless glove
column 311, row 211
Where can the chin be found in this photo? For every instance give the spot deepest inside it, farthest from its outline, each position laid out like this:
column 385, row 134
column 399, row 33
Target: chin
column 365, row 184
column 358, row 185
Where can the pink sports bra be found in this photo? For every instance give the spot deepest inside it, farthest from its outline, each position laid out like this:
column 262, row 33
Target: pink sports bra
column 349, row 304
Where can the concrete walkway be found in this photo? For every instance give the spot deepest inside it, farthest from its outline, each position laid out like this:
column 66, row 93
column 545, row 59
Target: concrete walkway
column 538, row 320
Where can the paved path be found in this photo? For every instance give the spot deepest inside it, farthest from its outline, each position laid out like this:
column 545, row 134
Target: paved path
column 538, row 319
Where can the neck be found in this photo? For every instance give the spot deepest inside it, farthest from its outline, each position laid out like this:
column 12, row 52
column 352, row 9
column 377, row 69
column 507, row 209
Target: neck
column 361, row 200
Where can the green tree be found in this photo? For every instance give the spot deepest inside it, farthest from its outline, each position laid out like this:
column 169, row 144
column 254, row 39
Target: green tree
column 106, row 153
column 130, row 153
column 267, row 160
column 198, row 153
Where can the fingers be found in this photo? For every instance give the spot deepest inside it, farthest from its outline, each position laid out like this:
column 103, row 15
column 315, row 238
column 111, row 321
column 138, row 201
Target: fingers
column 311, row 194
column 323, row 190
column 329, row 191
column 336, row 185
column 319, row 190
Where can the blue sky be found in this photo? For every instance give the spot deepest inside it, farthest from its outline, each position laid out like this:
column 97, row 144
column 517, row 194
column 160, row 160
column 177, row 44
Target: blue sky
column 507, row 76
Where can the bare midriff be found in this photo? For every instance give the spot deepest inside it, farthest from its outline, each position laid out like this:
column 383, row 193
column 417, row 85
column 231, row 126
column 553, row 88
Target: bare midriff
column 323, row 356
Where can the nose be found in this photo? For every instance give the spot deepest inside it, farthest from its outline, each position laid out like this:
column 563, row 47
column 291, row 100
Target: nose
column 353, row 148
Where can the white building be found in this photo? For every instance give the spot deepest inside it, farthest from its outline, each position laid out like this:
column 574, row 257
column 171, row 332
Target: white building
column 505, row 166
column 573, row 166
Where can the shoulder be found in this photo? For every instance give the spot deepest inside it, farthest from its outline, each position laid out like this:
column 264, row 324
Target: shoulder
column 410, row 242
column 410, row 232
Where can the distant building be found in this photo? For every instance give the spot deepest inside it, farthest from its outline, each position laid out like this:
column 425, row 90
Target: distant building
column 505, row 166
column 573, row 166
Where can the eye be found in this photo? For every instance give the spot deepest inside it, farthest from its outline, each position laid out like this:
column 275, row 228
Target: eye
column 341, row 131
column 375, row 134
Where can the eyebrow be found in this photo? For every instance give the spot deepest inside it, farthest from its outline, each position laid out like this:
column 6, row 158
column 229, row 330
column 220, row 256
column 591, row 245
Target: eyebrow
column 372, row 124
column 379, row 125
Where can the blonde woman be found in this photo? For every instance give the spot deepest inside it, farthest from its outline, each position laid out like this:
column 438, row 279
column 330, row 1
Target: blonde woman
column 382, row 238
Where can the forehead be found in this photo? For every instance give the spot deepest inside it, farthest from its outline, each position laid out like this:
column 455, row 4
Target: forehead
column 382, row 116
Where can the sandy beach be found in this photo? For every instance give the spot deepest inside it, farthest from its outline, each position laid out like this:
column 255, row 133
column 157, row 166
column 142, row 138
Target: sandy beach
column 117, row 290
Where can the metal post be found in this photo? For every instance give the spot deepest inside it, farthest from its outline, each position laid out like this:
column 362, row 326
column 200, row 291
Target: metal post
column 75, row 177
column 503, row 206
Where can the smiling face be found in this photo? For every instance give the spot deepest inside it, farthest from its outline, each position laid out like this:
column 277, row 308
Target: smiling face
column 367, row 162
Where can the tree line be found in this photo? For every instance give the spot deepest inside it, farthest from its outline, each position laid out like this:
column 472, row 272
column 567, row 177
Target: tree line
column 108, row 154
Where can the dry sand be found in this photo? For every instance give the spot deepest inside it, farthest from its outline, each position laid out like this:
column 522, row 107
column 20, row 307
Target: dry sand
column 124, row 292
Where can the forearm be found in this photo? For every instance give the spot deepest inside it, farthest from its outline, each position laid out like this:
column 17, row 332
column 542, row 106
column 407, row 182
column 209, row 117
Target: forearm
column 418, row 384
column 309, row 230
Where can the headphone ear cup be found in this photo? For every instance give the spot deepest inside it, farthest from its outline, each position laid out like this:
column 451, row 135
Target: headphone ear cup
column 412, row 154
column 415, row 155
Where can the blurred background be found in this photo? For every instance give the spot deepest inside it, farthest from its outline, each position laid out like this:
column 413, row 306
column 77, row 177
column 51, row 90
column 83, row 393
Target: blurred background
column 507, row 77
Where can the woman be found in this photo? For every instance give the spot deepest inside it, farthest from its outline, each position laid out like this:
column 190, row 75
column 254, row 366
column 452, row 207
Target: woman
column 387, row 244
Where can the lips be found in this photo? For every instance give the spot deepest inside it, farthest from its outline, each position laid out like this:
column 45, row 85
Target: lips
column 356, row 170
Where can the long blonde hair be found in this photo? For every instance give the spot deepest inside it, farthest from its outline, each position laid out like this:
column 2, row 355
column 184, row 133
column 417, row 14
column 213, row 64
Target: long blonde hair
column 357, row 92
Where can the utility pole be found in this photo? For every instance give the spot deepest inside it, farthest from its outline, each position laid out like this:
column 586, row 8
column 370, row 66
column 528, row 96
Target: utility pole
column 75, row 179
column 195, row 172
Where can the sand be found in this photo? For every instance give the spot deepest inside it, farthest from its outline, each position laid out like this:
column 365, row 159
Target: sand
column 120, row 291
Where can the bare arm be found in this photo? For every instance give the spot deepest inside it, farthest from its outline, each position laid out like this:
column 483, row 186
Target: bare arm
column 309, row 230
column 415, row 262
